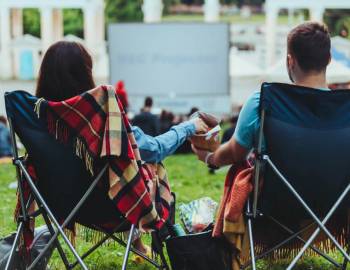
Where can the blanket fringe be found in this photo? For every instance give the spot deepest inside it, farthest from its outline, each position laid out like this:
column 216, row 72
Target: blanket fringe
column 61, row 132
column 292, row 250
column 71, row 234
column 95, row 236
column 37, row 106
column 82, row 152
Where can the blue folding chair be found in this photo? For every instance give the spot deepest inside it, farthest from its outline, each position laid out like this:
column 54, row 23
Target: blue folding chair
column 303, row 171
column 65, row 193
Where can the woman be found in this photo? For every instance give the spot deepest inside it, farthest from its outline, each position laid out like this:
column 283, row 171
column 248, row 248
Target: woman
column 66, row 71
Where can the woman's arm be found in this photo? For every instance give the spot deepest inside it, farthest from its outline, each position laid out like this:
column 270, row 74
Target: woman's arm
column 155, row 149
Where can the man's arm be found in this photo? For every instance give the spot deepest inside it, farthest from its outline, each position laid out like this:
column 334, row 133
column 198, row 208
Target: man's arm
column 227, row 154
column 242, row 142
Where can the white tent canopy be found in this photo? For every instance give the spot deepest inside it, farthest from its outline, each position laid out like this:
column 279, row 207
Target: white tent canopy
column 246, row 78
column 240, row 67
column 336, row 72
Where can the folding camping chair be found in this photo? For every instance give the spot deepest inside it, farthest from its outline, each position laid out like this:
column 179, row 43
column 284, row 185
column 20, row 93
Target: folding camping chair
column 59, row 207
column 304, row 171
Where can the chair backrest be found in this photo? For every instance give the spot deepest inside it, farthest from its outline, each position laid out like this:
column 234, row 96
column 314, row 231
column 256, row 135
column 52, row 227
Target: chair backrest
column 307, row 136
column 62, row 176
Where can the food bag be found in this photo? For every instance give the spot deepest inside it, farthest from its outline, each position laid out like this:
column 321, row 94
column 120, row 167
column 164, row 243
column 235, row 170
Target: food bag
column 198, row 214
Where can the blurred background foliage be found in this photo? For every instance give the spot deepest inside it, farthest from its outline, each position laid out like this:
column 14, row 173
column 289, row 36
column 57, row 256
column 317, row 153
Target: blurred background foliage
column 130, row 11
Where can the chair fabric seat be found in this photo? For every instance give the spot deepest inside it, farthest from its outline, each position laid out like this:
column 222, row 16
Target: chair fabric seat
column 307, row 133
column 62, row 176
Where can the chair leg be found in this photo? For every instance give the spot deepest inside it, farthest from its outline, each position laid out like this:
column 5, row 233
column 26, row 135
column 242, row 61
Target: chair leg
column 159, row 247
column 250, row 232
column 57, row 243
column 165, row 265
column 128, row 247
column 39, row 199
column 321, row 224
column 346, row 261
column 15, row 244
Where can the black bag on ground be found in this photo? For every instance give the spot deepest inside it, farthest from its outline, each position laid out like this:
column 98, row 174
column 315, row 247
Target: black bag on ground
column 41, row 238
column 199, row 252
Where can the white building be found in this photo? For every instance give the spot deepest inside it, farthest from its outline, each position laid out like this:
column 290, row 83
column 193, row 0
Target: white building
column 273, row 7
column 15, row 48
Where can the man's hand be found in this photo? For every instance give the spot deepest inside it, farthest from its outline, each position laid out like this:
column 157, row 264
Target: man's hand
column 227, row 154
column 201, row 154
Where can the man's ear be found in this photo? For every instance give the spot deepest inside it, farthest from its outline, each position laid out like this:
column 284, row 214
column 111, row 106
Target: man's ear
column 290, row 60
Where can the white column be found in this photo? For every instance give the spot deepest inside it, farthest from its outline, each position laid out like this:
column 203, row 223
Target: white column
column 6, row 68
column 94, row 37
column 316, row 14
column 57, row 17
column 100, row 24
column 270, row 28
column 290, row 16
column 211, row 10
column 152, row 10
column 17, row 22
column 89, row 27
column 46, row 24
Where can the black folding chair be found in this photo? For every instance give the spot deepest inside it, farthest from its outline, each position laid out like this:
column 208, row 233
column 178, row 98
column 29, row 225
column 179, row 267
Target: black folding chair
column 304, row 171
column 66, row 193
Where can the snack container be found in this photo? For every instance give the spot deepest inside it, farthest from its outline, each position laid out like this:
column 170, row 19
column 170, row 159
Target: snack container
column 209, row 141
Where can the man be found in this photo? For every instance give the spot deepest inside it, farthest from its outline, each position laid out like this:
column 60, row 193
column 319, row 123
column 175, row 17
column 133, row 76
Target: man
column 230, row 130
column 147, row 121
column 308, row 55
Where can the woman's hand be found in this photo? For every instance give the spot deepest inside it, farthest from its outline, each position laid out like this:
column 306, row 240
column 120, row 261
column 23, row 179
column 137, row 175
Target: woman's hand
column 200, row 126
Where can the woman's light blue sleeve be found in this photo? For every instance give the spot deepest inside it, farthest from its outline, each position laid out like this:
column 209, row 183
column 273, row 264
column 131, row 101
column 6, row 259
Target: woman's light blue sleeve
column 155, row 149
column 248, row 122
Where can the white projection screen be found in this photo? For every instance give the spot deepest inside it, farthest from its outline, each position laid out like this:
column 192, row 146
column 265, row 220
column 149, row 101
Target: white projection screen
column 181, row 65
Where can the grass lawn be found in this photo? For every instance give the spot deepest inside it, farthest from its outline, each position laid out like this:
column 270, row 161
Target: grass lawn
column 254, row 19
column 190, row 180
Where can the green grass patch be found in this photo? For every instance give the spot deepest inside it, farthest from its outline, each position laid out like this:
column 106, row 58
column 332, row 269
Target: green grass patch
column 254, row 19
column 189, row 179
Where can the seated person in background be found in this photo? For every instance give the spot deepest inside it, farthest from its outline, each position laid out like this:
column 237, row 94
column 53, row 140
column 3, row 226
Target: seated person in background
column 66, row 71
column 146, row 120
column 5, row 139
column 166, row 121
column 308, row 55
column 122, row 94
column 228, row 133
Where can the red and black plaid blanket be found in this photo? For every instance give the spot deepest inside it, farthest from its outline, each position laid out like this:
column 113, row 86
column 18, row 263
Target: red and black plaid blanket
column 101, row 130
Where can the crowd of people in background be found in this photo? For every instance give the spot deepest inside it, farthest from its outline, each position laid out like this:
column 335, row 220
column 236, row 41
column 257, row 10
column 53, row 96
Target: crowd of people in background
column 146, row 120
column 150, row 123
column 154, row 125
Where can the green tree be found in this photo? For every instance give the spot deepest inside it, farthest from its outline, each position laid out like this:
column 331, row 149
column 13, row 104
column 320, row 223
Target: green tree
column 31, row 21
column 338, row 22
column 123, row 11
column 73, row 22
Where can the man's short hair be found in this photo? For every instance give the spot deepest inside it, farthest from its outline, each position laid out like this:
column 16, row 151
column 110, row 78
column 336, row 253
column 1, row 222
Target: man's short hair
column 310, row 44
column 148, row 102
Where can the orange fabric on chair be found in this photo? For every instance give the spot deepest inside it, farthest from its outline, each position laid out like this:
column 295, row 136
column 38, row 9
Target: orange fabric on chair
column 236, row 191
column 239, row 195
column 230, row 221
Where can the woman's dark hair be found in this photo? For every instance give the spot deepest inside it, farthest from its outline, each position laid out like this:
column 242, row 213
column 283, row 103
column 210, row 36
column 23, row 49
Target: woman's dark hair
column 66, row 71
